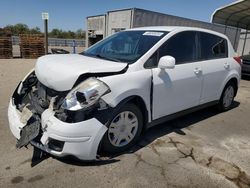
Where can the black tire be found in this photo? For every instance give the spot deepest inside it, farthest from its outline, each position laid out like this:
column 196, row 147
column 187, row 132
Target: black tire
column 106, row 144
column 222, row 106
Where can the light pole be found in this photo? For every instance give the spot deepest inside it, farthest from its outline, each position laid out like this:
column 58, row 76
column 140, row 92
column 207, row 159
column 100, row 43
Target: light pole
column 45, row 17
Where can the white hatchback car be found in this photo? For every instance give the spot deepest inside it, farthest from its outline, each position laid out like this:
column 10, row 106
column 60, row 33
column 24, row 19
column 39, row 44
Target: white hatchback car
column 102, row 99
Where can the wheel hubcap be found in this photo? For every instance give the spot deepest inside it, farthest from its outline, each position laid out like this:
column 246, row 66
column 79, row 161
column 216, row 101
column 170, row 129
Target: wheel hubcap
column 228, row 96
column 123, row 129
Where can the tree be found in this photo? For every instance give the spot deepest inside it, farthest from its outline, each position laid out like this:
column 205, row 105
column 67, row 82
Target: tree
column 9, row 29
column 20, row 28
column 80, row 34
column 55, row 33
column 35, row 30
column 4, row 32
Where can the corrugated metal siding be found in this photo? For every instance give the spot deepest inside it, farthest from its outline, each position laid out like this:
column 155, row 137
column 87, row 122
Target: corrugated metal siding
column 119, row 20
column 96, row 26
column 241, row 43
column 96, row 23
column 149, row 18
column 130, row 18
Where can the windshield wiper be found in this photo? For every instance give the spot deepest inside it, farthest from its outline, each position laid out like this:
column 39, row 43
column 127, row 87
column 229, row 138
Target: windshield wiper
column 101, row 57
column 107, row 58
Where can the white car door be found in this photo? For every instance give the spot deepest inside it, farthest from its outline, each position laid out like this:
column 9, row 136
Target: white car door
column 178, row 88
column 216, row 65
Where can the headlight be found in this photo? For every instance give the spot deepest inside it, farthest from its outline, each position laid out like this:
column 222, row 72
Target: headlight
column 85, row 94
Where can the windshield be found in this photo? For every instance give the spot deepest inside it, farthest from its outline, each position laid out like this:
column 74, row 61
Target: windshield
column 125, row 46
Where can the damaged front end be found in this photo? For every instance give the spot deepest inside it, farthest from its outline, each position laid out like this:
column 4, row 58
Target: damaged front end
column 31, row 98
column 60, row 122
column 62, row 111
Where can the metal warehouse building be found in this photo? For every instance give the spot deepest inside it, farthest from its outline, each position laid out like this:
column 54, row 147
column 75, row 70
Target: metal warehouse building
column 101, row 26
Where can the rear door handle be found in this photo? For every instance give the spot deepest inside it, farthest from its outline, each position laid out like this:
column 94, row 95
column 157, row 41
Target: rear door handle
column 226, row 65
column 197, row 70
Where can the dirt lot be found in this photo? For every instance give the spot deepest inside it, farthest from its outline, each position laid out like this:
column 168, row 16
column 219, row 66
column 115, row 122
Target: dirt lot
column 203, row 149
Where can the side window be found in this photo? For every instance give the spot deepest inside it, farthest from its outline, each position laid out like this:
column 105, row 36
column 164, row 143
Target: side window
column 212, row 46
column 152, row 62
column 181, row 46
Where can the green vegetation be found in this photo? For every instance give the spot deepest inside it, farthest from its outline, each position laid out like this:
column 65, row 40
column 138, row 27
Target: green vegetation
column 20, row 28
column 58, row 33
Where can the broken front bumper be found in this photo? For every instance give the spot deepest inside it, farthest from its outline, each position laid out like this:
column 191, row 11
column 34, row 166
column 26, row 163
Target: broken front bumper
column 60, row 139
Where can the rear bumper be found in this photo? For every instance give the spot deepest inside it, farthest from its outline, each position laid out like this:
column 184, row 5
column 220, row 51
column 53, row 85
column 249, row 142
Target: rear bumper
column 80, row 139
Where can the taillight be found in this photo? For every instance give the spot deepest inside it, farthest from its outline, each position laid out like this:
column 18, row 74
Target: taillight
column 238, row 60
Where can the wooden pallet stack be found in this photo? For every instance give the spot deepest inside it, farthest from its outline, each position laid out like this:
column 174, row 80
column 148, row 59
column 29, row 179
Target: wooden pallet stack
column 32, row 46
column 5, row 47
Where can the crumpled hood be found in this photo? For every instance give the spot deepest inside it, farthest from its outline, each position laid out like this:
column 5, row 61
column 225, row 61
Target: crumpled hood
column 60, row 72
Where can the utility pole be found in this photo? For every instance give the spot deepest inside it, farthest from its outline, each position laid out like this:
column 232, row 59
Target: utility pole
column 45, row 17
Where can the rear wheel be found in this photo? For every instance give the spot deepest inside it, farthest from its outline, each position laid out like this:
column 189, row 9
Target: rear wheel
column 227, row 97
column 123, row 130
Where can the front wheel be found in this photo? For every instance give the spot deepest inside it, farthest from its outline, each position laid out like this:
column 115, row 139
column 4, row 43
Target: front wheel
column 124, row 129
column 227, row 97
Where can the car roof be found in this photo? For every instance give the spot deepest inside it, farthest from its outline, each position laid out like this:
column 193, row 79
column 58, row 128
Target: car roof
column 176, row 28
column 156, row 28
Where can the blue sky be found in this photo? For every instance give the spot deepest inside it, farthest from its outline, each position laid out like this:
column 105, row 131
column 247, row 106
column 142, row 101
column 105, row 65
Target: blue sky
column 71, row 14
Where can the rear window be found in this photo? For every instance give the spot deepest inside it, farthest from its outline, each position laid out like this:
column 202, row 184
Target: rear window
column 212, row 46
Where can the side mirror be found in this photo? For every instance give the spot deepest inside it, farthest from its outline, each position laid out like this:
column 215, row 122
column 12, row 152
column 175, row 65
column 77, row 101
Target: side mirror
column 166, row 62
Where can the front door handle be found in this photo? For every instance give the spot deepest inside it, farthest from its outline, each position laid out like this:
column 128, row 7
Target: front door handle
column 197, row 70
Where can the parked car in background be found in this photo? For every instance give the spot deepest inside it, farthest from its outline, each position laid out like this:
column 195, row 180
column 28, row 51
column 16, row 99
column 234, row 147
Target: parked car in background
column 104, row 98
column 245, row 65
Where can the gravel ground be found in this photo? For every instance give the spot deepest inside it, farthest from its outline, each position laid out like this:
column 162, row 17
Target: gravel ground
column 203, row 149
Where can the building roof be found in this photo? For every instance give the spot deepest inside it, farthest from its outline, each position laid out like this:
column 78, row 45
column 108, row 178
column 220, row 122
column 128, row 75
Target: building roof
column 236, row 14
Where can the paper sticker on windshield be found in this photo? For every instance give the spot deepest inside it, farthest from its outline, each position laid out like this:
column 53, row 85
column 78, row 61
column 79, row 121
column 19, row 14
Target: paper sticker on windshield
column 153, row 33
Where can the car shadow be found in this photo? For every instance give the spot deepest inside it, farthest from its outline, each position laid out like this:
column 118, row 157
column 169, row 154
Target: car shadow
column 40, row 156
column 147, row 138
column 175, row 125
column 71, row 160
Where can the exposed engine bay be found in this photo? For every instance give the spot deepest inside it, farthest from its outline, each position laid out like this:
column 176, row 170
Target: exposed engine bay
column 32, row 98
